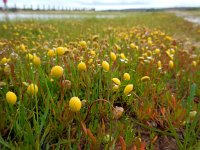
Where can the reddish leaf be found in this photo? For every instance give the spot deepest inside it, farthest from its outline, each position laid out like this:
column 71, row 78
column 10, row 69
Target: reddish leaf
column 103, row 127
column 154, row 139
column 84, row 127
column 89, row 133
column 122, row 142
column 143, row 145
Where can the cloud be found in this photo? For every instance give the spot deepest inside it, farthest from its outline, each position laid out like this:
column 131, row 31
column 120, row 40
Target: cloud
column 115, row 2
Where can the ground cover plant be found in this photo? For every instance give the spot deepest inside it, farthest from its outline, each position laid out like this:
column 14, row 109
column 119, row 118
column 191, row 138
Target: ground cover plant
column 121, row 83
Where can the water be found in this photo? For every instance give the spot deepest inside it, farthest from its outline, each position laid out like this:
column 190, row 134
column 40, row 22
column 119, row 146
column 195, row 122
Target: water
column 188, row 17
column 37, row 16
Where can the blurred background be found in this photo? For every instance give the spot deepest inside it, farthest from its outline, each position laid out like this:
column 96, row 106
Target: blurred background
column 86, row 5
column 47, row 9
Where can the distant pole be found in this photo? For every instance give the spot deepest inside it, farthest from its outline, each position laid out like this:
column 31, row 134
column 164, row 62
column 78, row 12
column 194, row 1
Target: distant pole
column 5, row 4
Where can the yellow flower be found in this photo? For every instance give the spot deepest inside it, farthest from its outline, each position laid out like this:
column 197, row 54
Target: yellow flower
column 171, row 64
column 123, row 56
column 116, row 81
column 150, row 42
column 159, row 64
column 194, row 63
column 22, row 47
column 51, row 53
column 168, row 38
column 113, row 56
column 36, row 60
column 117, row 47
column 127, row 76
column 11, row 97
column 172, row 51
column 145, row 78
column 75, row 104
column 82, row 66
column 93, row 53
column 157, row 51
column 83, row 44
column 105, row 66
column 32, row 89
column 149, row 53
column 145, row 55
column 29, row 56
column 60, row 51
column 90, row 60
column 4, row 60
column 132, row 45
column 128, row 89
column 57, row 71
column 168, row 52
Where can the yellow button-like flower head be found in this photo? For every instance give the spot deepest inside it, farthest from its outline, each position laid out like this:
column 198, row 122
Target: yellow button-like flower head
column 32, row 89
column 75, row 104
column 194, row 63
column 22, row 47
column 36, row 60
column 122, row 55
column 116, row 81
column 60, row 51
column 29, row 56
column 128, row 89
column 11, row 97
column 157, row 51
column 127, row 76
column 132, row 45
column 57, row 71
column 82, row 66
column 83, row 44
column 4, row 60
column 113, row 56
column 145, row 78
column 51, row 53
column 105, row 66
column 159, row 64
column 171, row 64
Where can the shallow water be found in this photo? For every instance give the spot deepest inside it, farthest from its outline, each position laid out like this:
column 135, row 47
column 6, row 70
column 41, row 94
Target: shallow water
column 189, row 17
column 23, row 16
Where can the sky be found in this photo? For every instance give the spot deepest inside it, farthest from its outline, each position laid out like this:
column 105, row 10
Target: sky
column 103, row 4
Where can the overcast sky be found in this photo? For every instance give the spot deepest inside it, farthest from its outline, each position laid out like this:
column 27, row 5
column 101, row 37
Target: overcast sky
column 104, row 4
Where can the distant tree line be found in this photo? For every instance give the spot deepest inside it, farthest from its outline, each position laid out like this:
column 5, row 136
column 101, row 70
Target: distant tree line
column 62, row 8
column 45, row 8
column 156, row 9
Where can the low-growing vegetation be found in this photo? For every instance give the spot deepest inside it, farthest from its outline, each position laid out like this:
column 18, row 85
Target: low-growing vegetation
column 122, row 83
